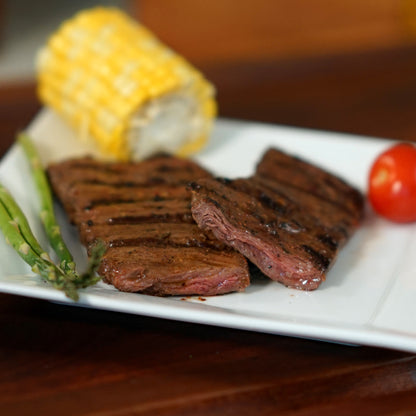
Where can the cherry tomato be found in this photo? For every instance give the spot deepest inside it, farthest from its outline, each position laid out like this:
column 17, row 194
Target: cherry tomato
column 392, row 183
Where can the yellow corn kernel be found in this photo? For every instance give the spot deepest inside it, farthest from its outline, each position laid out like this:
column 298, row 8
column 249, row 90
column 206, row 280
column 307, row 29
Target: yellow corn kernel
column 112, row 80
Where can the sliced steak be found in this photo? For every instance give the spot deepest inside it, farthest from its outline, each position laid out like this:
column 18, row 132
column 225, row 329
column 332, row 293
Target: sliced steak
column 291, row 231
column 175, row 270
column 297, row 173
column 84, row 183
column 142, row 211
column 158, row 234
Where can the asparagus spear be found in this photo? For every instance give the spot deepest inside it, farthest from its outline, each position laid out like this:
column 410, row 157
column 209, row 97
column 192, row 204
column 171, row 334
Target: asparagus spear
column 18, row 234
column 47, row 213
column 14, row 226
column 89, row 277
column 19, row 220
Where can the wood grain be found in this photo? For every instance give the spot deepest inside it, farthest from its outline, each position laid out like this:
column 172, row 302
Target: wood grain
column 18, row 106
column 371, row 93
column 101, row 363
column 221, row 31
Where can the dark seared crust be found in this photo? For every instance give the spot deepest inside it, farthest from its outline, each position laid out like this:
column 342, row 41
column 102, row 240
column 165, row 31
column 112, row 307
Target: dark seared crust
column 155, row 234
column 91, row 195
column 279, row 166
column 142, row 212
column 135, row 212
column 85, row 182
column 178, row 270
column 291, row 232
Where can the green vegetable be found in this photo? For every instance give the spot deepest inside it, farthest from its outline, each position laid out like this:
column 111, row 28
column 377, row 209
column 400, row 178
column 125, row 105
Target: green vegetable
column 89, row 277
column 19, row 221
column 14, row 226
column 19, row 235
column 47, row 214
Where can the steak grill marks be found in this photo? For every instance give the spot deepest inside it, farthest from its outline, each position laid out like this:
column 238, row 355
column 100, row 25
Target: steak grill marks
column 297, row 173
column 142, row 212
column 290, row 219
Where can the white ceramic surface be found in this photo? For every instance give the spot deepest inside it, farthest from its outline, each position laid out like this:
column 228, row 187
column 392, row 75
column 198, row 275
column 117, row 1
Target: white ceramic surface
column 369, row 297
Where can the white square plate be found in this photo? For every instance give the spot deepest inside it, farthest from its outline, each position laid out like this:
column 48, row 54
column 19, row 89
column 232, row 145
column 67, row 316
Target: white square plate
column 369, row 297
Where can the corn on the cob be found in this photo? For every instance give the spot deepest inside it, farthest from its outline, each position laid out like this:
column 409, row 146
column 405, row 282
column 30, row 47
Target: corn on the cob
column 115, row 82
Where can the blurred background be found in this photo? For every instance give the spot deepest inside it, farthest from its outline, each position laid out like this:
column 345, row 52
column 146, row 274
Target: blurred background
column 336, row 65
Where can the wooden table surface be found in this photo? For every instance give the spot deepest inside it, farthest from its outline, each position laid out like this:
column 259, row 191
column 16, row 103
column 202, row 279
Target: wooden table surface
column 56, row 359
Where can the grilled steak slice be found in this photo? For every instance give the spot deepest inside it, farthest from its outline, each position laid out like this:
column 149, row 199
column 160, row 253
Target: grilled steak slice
column 136, row 212
column 142, row 212
column 158, row 234
column 284, row 168
column 85, row 182
column 89, row 195
column 175, row 270
column 290, row 231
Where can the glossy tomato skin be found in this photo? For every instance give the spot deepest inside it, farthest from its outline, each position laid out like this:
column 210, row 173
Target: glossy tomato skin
column 392, row 183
